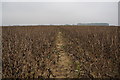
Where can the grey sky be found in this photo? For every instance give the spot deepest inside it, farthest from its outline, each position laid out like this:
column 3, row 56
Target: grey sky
column 0, row 14
column 60, row 0
column 119, row 13
column 59, row 12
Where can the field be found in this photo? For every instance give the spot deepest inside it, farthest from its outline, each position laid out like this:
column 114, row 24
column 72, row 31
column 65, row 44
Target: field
column 61, row 52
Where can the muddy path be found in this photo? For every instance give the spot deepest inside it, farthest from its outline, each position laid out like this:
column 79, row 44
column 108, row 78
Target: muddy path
column 64, row 66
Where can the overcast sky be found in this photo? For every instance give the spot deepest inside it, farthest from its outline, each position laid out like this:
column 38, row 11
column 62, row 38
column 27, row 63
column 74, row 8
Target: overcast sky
column 60, row 0
column 119, row 13
column 0, row 14
column 59, row 12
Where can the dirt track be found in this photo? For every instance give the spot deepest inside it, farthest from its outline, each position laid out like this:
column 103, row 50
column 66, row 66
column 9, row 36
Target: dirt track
column 64, row 66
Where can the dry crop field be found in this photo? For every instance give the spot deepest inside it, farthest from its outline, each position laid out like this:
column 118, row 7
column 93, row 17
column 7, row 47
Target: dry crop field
column 61, row 52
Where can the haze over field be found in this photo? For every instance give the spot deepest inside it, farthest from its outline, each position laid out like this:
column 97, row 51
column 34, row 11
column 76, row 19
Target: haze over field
column 59, row 12
column 119, row 13
column 0, row 13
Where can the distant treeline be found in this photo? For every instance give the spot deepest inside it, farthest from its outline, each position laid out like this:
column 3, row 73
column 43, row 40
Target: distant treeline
column 93, row 24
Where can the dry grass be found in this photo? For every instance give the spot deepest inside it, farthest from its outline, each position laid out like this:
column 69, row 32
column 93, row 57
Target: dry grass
column 96, row 49
column 31, row 51
column 27, row 51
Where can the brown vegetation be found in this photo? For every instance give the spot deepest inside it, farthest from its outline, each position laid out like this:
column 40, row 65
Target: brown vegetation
column 32, row 52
